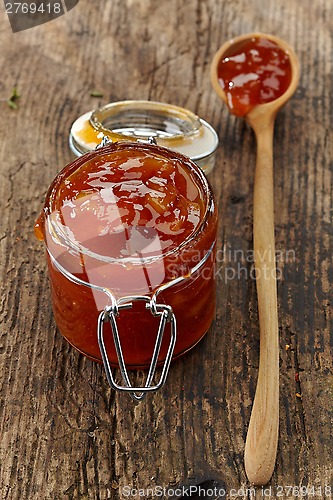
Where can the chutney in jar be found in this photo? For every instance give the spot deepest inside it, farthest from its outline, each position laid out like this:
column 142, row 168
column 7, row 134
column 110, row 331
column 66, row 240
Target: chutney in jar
column 127, row 219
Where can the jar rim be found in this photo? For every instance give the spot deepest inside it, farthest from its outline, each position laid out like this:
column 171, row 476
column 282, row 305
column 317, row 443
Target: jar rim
column 137, row 119
column 172, row 126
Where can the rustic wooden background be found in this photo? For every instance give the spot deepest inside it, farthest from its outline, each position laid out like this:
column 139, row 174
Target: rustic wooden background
column 64, row 433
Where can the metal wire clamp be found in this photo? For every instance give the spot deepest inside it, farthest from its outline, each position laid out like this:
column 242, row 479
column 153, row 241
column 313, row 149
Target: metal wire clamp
column 166, row 316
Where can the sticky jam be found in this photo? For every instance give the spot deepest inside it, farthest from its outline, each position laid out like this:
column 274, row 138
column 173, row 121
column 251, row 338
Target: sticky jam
column 130, row 218
column 253, row 72
column 119, row 205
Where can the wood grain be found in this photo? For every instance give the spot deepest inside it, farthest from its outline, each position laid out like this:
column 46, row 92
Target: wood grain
column 64, row 434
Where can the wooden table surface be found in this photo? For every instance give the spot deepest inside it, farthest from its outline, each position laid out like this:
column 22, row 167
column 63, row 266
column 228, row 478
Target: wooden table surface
column 64, row 433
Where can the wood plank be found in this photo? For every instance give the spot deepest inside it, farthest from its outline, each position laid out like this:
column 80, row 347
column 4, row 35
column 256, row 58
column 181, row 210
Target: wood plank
column 64, row 433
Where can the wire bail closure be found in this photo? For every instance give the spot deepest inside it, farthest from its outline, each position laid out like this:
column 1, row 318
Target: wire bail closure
column 158, row 310
column 111, row 312
column 105, row 141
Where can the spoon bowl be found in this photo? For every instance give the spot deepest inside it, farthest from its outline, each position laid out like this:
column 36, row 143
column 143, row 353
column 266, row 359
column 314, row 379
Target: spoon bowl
column 262, row 437
column 271, row 107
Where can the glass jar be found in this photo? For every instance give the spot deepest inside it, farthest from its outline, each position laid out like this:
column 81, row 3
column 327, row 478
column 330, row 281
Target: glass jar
column 130, row 232
column 171, row 126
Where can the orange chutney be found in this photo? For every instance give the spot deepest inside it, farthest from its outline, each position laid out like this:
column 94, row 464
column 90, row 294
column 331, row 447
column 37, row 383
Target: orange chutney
column 253, row 72
column 129, row 218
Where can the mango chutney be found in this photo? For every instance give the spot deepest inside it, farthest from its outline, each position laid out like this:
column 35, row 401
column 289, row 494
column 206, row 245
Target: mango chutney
column 254, row 71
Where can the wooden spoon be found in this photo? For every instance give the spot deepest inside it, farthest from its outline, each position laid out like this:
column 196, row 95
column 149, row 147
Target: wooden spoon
column 262, row 437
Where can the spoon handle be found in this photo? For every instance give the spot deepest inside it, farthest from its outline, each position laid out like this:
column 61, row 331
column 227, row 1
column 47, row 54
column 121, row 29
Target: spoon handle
column 262, row 437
